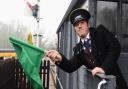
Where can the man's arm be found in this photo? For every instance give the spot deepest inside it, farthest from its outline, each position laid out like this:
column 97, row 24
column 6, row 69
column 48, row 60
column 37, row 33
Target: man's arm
column 113, row 48
column 67, row 65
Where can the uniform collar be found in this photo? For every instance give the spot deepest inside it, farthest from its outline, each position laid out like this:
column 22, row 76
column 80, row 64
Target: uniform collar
column 87, row 37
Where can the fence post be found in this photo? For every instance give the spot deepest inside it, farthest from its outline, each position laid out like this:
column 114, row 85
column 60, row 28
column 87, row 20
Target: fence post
column 23, row 83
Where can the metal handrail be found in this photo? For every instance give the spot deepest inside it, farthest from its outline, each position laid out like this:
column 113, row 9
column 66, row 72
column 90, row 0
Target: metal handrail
column 104, row 78
column 101, row 75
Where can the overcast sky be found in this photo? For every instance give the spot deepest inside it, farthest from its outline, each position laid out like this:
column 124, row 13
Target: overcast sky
column 52, row 11
column 18, row 13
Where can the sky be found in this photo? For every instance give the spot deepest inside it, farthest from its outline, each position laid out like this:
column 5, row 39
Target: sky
column 51, row 11
column 17, row 13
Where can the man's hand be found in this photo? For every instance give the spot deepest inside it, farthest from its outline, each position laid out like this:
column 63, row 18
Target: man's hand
column 97, row 70
column 54, row 55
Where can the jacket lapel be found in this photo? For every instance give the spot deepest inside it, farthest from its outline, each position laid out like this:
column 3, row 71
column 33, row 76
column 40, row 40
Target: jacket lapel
column 93, row 41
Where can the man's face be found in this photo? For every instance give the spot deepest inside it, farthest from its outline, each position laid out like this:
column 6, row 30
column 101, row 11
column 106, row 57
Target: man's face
column 81, row 28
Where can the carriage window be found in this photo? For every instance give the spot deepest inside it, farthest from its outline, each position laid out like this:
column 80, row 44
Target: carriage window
column 107, row 14
column 124, row 31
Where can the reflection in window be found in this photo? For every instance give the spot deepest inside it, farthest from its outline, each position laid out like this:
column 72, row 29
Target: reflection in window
column 124, row 34
column 107, row 14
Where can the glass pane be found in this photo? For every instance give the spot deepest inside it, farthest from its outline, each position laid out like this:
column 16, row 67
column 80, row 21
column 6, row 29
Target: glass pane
column 125, row 1
column 107, row 14
column 124, row 34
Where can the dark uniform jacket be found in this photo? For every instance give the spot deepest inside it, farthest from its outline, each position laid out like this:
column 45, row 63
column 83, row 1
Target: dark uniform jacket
column 105, row 50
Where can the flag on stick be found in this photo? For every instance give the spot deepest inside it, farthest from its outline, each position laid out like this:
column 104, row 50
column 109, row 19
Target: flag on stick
column 29, row 57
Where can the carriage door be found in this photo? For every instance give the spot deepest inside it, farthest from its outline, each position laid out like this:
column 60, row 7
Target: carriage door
column 114, row 15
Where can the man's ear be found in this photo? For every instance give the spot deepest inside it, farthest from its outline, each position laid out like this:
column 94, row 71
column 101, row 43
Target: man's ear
column 88, row 24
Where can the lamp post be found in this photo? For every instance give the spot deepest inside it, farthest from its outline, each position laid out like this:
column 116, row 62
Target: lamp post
column 36, row 15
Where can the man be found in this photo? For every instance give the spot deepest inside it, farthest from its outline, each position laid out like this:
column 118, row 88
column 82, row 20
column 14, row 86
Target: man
column 98, row 49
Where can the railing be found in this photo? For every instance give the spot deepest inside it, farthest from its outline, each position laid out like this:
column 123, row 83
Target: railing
column 100, row 81
column 14, row 77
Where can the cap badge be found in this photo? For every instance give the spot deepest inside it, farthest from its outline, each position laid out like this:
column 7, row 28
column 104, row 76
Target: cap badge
column 78, row 17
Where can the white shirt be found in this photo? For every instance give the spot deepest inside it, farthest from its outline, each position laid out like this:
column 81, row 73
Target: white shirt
column 86, row 38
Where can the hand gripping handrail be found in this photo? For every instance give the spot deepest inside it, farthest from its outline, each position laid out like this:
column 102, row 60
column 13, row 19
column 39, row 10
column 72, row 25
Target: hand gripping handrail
column 103, row 77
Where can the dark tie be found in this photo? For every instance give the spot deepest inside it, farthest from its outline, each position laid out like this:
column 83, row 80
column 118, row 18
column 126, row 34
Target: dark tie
column 91, row 62
column 87, row 44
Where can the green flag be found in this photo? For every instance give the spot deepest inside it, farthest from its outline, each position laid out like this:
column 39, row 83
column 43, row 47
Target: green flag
column 29, row 57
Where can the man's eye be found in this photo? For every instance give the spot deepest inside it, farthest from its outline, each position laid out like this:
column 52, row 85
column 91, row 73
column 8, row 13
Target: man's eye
column 76, row 24
column 82, row 22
